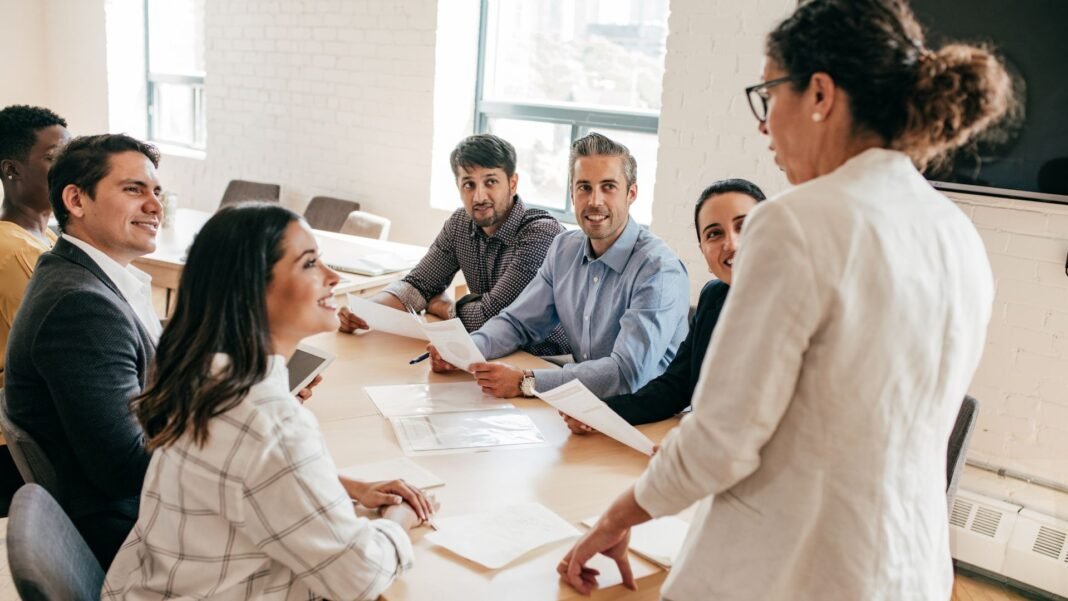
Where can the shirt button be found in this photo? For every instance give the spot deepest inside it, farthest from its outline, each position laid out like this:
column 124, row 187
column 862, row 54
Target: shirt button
column 587, row 318
column 585, row 356
column 595, row 279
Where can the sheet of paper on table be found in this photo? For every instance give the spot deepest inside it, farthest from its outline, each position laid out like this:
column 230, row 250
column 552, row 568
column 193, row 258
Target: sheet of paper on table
column 386, row 319
column 399, row 468
column 658, row 540
column 459, row 431
column 420, row 399
column 497, row 538
column 453, row 343
column 574, row 399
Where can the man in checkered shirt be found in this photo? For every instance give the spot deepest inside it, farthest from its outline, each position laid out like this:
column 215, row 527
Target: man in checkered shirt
column 496, row 241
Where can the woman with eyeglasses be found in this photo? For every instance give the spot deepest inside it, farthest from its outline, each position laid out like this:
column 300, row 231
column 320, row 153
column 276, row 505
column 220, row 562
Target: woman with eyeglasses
column 242, row 499
column 817, row 445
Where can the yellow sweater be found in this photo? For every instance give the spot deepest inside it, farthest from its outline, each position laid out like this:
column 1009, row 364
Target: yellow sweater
column 19, row 251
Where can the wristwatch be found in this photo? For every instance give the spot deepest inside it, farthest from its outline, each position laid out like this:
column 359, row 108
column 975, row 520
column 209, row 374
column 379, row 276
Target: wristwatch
column 526, row 386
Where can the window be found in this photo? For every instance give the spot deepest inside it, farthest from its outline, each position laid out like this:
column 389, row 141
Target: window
column 174, row 36
column 551, row 71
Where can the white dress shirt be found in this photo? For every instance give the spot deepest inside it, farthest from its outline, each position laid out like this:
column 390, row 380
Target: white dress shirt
column 134, row 284
column 855, row 322
column 257, row 512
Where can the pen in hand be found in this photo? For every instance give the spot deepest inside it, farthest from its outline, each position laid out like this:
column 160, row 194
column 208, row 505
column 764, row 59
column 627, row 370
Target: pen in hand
column 420, row 358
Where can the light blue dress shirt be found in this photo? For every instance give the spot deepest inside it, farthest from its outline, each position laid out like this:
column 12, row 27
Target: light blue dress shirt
column 624, row 312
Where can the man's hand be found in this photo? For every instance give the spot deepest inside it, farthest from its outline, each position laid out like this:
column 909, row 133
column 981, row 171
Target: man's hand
column 499, row 379
column 575, row 425
column 437, row 364
column 350, row 322
column 305, row 393
column 441, row 306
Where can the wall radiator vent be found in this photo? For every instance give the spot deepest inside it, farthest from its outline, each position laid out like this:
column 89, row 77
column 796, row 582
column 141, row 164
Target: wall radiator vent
column 1024, row 547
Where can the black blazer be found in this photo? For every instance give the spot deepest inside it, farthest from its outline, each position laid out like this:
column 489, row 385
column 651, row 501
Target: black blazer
column 76, row 355
column 670, row 393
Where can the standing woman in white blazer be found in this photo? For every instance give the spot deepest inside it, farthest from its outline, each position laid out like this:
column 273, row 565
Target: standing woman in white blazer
column 817, row 445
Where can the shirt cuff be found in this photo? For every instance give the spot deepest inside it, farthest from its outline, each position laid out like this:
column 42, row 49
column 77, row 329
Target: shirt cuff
column 650, row 488
column 407, row 294
column 547, row 379
column 396, row 535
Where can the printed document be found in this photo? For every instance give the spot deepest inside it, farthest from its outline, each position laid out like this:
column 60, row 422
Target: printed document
column 575, row 400
column 418, row 399
column 386, row 319
column 497, row 538
column 453, row 343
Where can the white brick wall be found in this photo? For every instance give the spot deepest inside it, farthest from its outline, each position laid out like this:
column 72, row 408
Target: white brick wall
column 715, row 49
column 322, row 97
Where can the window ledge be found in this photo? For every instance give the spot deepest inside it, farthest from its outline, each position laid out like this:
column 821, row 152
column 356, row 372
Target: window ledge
column 180, row 151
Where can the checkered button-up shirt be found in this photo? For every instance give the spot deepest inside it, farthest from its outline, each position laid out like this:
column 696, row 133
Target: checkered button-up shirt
column 497, row 268
column 257, row 513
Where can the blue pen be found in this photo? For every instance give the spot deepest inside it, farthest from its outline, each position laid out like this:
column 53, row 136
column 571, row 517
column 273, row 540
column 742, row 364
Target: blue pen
column 422, row 357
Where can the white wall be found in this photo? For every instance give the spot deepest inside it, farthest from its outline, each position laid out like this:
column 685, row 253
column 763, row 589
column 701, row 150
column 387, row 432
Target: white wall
column 22, row 43
column 715, row 49
column 321, row 97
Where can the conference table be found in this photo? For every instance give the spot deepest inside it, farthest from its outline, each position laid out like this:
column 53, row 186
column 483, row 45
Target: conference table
column 575, row 476
column 173, row 241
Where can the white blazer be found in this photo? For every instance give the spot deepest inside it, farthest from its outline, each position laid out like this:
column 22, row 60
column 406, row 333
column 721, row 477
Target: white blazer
column 822, row 415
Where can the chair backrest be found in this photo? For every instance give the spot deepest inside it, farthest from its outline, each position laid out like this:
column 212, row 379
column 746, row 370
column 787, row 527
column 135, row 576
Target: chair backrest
column 29, row 457
column 362, row 223
column 47, row 556
column 329, row 214
column 958, row 444
column 239, row 190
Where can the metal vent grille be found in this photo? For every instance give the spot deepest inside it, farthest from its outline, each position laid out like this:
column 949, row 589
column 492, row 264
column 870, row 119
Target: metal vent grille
column 959, row 516
column 1049, row 542
column 986, row 521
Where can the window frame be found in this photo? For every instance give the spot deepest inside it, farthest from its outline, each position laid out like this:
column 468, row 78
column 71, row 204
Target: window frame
column 194, row 81
column 582, row 119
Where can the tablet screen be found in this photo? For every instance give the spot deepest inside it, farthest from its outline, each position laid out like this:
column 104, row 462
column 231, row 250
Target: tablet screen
column 302, row 368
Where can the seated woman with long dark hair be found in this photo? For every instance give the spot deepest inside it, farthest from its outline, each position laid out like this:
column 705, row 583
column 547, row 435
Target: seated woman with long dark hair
column 718, row 216
column 241, row 498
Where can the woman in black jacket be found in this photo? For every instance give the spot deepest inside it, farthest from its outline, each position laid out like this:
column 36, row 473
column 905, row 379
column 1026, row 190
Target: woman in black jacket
column 718, row 217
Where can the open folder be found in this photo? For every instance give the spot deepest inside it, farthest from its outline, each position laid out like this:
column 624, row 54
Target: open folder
column 575, row 400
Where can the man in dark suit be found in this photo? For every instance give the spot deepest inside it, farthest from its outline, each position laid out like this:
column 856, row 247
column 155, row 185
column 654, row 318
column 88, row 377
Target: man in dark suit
column 83, row 338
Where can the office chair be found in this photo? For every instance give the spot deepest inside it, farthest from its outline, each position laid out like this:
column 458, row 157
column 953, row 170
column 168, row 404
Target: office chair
column 329, row 214
column 47, row 556
column 362, row 223
column 238, row 191
column 30, row 459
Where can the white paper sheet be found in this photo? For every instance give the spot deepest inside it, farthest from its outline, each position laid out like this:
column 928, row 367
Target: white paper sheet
column 658, row 540
column 420, row 399
column 386, row 319
column 498, row 538
column 453, row 343
column 574, row 399
column 400, row 468
column 463, row 430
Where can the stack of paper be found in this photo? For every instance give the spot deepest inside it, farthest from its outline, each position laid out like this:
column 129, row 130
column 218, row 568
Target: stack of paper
column 658, row 540
column 500, row 537
column 575, row 400
column 451, row 418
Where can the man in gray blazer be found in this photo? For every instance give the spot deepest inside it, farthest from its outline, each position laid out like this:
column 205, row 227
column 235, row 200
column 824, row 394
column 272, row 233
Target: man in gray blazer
column 83, row 338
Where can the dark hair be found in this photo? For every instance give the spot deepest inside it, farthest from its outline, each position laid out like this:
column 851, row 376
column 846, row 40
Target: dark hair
column 724, row 186
column 84, row 162
column 595, row 144
column 921, row 102
column 483, row 150
column 221, row 308
column 19, row 125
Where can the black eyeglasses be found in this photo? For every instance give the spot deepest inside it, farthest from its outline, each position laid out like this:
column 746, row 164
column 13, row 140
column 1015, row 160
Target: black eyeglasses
column 758, row 96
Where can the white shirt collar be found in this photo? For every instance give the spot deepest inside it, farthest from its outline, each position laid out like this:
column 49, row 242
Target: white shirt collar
column 134, row 284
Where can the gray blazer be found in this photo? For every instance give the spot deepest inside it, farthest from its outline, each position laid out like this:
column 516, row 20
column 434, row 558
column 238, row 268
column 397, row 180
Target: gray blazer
column 76, row 355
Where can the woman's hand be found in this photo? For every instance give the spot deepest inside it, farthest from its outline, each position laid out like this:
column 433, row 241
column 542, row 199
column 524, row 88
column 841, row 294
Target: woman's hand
column 394, row 492
column 350, row 322
column 605, row 539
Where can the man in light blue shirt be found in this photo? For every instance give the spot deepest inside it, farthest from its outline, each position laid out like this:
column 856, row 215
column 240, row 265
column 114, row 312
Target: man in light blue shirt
column 619, row 292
